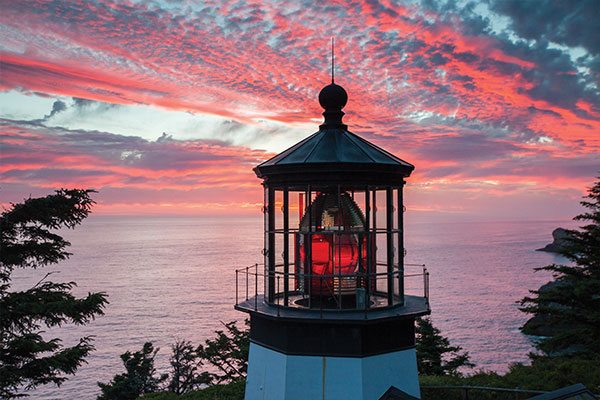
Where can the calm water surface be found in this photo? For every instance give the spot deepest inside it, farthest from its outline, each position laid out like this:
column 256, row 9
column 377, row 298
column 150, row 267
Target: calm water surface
column 173, row 278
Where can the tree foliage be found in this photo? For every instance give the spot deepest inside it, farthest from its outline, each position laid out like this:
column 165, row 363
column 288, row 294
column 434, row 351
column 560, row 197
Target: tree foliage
column 573, row 301
column 27, row 359
column 228, row 353
column 435, row 355
column 140, row 376
column 185, row 369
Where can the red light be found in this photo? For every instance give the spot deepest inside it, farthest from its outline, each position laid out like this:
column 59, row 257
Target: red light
column 337, row 224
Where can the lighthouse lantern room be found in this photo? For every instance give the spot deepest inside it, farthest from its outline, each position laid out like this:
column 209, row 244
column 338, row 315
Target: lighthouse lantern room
column 329, row 317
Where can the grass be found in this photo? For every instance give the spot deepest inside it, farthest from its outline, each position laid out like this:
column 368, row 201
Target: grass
column 232, row 391
column 544, row 374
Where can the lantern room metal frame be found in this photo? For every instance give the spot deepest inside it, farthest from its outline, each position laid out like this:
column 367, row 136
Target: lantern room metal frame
column 382, row 278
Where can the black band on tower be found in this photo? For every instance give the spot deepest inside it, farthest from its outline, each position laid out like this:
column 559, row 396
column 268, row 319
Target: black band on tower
column 328, row 338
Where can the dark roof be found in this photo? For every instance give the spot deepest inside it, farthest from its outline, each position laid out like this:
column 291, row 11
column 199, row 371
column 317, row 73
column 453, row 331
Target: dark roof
column 393, row 393
column 331, row 156
column 334, row 145
column 573, row 392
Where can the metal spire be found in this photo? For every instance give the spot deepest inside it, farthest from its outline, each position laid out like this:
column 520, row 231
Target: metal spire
column 332, row 60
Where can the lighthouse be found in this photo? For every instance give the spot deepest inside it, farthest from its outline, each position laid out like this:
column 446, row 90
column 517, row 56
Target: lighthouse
column 329, row 316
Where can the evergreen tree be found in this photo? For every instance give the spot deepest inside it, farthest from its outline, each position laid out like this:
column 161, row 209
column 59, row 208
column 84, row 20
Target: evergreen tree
column 228, row 353
column 185, row 375
column 435, row 355
column 140, row 376
column 26, row 358
column 573, row 300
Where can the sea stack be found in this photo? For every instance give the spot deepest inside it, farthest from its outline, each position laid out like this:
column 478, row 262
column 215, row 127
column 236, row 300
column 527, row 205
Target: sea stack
column 560, row 241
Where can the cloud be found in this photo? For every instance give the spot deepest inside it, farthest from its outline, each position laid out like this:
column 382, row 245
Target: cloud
column 570, row 23
column 47, row 157
column 164, row 138
column 191, row 95
column 57, row 107
column 149, row 122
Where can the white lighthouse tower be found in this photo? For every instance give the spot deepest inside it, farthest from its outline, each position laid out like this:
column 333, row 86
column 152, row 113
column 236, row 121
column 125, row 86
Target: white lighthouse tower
column 329, row 318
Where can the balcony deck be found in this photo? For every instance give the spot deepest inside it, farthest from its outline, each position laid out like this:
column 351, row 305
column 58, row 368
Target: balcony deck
column 414, row 306
column 321, row 297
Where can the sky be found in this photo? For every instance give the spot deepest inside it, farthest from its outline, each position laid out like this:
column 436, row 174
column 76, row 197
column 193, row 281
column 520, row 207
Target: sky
column 164, row 107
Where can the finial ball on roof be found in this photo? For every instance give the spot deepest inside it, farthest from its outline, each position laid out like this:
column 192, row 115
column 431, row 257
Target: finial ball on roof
column 333, row 97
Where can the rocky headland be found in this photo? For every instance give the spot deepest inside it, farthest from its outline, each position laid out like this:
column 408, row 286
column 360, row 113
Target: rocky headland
column 560, row 241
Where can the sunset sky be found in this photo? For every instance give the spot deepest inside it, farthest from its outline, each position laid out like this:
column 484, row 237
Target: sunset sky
column 164, row 107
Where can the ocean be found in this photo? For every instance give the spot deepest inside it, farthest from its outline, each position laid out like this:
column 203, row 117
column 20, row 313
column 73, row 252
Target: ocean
column 171, row 278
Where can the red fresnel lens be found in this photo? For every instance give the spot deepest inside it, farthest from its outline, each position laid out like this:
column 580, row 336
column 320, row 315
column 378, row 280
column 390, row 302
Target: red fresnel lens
column 335, row 225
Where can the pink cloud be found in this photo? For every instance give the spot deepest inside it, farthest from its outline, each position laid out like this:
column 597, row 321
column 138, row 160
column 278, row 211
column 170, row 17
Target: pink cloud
column 463, row 104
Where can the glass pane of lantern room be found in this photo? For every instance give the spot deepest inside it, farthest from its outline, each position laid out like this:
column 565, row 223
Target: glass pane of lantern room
column 279, row 210
column 395, row 237
column 359, row 200
column 296, row 209
column 299, row 237
column 400, row 244
column 271, row 240
column 279, row 263
column 265, row 249
column 279, row 250
column 378, row 229
column 265, row 227
column 296, row 206
column 367, row 261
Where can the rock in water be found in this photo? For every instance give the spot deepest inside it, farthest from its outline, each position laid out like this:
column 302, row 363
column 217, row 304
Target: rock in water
column 561, row 240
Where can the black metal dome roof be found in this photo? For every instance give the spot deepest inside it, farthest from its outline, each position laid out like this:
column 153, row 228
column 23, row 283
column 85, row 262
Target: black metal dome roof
column 333, row 97
column 334, row 155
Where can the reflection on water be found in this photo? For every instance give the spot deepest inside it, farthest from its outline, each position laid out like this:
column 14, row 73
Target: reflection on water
column 173, row 278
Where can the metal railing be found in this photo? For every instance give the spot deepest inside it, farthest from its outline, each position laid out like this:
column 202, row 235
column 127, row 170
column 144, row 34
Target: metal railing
column 480, row 393
column 333, row 291
column 476, row 393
